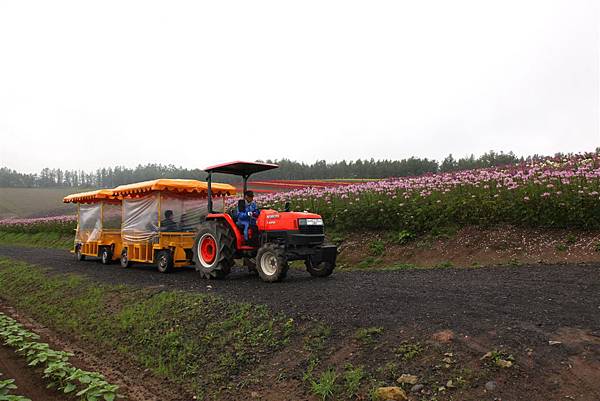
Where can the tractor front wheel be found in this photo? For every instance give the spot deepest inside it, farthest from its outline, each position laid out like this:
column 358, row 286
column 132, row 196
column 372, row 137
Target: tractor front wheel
column 271, row 263
column 164, row 261
column 213, row 250
column 322, row 269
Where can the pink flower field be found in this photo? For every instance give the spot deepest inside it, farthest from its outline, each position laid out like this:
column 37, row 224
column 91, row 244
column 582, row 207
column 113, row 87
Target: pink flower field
column 62, row 224
column 549, row 192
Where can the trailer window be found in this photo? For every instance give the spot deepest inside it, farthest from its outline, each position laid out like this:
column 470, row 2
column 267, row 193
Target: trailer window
column 140, row 218
column 89, row 224
column 171, row 210
column 111, row 216
column 194, row 213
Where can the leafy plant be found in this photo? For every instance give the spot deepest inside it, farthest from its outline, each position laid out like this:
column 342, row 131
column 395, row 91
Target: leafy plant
column 6, row 387
column 89, row 386
column 570, row 239
column 389, row 371
column 377, row 247
column 402, row 237
column 352, row 379
column 499, row 358
column 408, row 351
column 366, row 334
column 325, row 386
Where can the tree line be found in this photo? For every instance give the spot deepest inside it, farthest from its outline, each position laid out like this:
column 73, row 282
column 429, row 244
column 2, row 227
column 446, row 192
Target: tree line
column 289, row 170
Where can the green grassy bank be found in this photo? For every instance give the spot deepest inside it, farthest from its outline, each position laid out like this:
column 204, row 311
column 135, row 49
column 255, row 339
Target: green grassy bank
column 201, row 341
column 39, row 240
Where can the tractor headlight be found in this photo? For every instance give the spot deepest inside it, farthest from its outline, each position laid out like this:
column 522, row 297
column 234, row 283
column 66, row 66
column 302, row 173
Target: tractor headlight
column 310, row 222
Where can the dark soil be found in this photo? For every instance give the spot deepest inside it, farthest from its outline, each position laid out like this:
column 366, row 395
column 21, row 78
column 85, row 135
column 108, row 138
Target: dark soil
column 473, row 246
column 517, row 308
column 135, row 383
column 29, row 381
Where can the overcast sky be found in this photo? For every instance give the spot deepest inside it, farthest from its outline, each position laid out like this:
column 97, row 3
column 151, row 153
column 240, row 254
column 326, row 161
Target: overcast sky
column 89, row 84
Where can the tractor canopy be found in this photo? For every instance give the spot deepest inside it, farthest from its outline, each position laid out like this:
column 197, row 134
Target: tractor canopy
column 243, row 169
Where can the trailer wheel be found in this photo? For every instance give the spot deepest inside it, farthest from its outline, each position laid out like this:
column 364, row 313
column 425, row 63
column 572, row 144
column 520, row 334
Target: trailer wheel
column 323, row 269
column 124, row 259
column 106, row 256
column 213, row 250
column 78, row 255
column 271, row 263
column 164, row 261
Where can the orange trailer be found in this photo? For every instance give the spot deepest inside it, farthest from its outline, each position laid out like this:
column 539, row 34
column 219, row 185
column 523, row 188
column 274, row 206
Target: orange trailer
column 98, row 232
column 160, row 220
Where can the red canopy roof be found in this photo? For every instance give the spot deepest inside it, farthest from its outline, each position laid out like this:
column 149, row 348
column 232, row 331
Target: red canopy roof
column 240, row 168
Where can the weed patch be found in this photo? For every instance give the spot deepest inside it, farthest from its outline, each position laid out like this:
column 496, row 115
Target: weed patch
column 408, row 351
column 561, row 247
column 324, row 387
column 377, row 247
column 367, row 335
column 177, row 335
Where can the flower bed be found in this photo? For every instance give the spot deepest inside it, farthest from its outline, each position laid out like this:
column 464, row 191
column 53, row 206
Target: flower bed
column 552, row 192
column 57, row 224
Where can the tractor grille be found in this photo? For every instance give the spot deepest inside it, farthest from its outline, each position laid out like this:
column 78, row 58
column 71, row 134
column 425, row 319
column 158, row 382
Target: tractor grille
column 311, row 229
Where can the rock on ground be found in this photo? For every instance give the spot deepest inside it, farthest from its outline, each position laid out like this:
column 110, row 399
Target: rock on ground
column 391, row 394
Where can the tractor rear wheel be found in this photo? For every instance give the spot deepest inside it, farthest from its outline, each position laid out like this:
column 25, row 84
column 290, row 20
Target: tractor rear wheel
column 323, row 269
column 164, row 261
column 271, row 263
column 213, row 250
column 106, row 256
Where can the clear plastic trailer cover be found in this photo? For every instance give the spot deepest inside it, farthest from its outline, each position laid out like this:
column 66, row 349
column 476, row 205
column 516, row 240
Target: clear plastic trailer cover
column 111, row 216
column 178, row 213
column 140, row 218
column 182, row 213
column 89, row 224
column 194, row 213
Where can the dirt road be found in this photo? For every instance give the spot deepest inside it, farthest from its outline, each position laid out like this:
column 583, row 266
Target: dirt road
column 464, row 300
column 523, row 308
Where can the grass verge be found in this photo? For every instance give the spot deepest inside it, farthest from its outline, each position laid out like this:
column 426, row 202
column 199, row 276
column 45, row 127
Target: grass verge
column 198, row 340
column 37, row 240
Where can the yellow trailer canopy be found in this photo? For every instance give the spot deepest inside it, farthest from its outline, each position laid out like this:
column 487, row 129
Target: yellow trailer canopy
column 179, row 186
column 90, row 196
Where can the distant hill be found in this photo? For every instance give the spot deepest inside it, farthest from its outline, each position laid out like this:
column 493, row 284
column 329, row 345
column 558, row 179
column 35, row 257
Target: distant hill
column 111, row 177
column 35, row 202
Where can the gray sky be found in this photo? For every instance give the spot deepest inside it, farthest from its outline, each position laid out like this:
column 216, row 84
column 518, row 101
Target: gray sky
column 90, row 84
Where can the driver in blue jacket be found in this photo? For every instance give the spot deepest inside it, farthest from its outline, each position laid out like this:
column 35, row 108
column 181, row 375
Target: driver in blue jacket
column 248, row 217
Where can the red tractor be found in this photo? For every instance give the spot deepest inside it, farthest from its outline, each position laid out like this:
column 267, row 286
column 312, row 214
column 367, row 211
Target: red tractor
column 277, row 238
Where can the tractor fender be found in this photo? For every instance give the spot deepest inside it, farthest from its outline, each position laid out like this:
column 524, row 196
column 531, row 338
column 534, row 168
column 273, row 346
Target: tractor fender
column 239, row 239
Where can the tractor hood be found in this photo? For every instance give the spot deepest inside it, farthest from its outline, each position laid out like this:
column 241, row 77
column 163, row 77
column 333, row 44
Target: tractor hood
column 271, row 220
